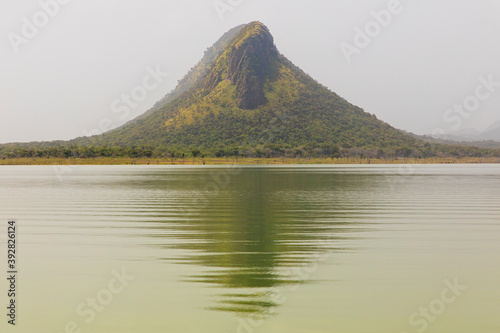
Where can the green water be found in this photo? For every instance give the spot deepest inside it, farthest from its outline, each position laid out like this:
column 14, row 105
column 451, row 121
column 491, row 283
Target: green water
column 254, row 249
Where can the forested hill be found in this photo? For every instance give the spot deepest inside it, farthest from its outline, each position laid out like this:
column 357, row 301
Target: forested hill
column 249, row 96
column 245, row 98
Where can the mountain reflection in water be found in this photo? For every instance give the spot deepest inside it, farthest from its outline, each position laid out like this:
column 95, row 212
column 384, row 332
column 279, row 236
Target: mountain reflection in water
column 260, row 232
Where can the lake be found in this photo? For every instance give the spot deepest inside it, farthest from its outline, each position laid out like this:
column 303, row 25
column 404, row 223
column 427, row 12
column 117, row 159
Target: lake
column 350, row 249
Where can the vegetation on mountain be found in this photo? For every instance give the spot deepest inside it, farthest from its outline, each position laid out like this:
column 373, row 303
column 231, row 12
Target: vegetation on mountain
column 244, row 98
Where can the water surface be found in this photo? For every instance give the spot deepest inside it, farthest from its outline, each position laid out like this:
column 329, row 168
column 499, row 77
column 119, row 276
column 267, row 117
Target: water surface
column 256, row 249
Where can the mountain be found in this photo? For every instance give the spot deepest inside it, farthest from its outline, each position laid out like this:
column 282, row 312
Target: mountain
column 465, row 134
column 492, row 132
column 245, row 98
column 198, row 71
column 245, row 94
column 457, row 141
column 491, row 135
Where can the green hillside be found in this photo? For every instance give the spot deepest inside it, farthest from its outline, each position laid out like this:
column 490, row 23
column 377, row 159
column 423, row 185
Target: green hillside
column 244, row 98
column 251, row 96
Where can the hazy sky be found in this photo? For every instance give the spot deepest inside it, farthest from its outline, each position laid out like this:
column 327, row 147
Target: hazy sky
column 63, row 74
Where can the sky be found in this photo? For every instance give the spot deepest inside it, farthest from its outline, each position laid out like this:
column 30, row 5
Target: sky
column 70, row 68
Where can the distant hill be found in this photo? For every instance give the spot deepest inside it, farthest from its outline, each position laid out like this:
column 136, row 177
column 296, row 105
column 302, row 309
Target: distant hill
column 245, row 98
column 491, row 135
column 454, row 141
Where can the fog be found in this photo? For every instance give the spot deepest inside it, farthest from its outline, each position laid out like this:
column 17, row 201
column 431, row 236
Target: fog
column 422, row 66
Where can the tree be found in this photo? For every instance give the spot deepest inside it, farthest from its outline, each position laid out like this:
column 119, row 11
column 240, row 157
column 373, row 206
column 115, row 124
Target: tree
column 195, row 153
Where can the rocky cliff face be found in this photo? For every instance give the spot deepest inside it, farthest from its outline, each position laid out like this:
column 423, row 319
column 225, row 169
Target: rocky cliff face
column 250, row 60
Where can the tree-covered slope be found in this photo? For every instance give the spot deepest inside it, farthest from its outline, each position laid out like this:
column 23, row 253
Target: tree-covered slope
column 248, row 91
column 245, row 98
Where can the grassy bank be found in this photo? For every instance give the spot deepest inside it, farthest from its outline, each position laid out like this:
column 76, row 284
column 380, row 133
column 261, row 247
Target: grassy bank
column 250, row 161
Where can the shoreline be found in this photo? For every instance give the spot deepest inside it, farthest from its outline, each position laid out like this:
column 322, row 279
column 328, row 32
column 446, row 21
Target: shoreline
column 243, row 161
